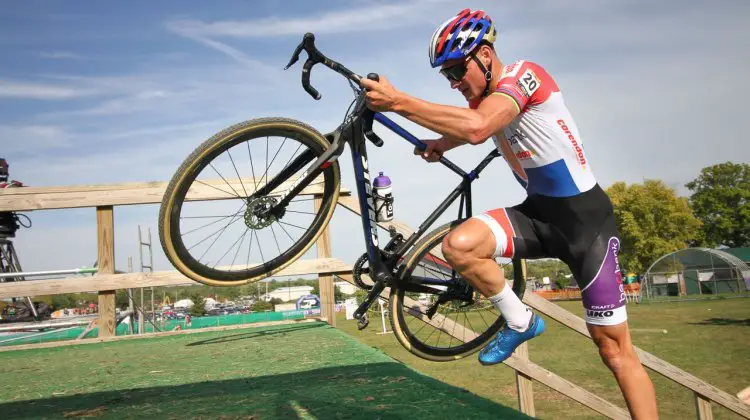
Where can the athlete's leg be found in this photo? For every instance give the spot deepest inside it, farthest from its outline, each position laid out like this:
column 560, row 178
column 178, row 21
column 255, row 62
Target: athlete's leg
column 617, row 352
column 470, row 250
column 606, row 319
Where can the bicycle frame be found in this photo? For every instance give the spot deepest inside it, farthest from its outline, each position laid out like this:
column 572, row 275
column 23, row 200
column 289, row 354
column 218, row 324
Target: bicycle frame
column 355, row 129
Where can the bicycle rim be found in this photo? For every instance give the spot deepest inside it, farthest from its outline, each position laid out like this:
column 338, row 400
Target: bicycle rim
column 246, row 247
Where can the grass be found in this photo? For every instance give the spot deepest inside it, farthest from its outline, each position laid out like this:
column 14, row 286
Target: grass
column 306, row 371
column 709, row 339
column 313, row 371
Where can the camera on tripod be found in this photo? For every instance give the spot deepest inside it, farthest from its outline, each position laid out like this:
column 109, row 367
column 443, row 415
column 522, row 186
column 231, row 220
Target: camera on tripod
column 8, row 219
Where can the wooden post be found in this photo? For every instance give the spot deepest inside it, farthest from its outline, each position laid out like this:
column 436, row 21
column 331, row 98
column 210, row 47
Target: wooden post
column 703, row 407
column 681, row 280
column 327, row 297
column 524, row 383
column 105, row 230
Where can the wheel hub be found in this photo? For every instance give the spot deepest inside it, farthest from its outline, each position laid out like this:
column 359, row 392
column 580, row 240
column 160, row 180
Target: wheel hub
column 257, row 215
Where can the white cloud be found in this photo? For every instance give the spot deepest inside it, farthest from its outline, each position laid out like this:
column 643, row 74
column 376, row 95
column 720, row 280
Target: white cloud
column 15, row 89
column 373, row 17
column 18, row 138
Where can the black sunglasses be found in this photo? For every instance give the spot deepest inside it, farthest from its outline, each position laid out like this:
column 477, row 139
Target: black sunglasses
column 456, row 72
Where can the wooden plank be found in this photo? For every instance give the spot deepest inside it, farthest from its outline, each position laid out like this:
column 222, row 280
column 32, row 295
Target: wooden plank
column 567, row 388
column 105, row 231
column 524, row 384
column 652, row 362
column 138, row 279
column 703, row 407
column 325, row 281
column 41, row 198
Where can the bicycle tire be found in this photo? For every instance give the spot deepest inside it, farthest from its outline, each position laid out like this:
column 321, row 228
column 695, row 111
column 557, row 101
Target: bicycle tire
column 398, row 310
column 174, row 195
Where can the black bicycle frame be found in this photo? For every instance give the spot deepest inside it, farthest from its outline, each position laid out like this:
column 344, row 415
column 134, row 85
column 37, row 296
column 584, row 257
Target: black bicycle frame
column 354, row 131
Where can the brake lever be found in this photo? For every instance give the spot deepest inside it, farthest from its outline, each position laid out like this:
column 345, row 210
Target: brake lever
column 306, row 79
column 295, row 56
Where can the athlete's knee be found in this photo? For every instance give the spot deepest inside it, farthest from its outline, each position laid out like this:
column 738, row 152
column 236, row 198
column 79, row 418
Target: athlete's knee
column 456, row 249
column 617, row 353
column 463, row 245
column 611, row 355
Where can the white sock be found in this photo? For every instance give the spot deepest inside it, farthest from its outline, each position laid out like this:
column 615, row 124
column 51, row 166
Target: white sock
column 510, row 306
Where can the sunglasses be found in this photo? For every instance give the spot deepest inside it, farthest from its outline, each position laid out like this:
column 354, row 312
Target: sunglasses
column 456, row 73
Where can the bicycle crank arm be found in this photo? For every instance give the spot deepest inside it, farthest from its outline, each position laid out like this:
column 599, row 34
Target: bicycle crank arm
column 374, row 293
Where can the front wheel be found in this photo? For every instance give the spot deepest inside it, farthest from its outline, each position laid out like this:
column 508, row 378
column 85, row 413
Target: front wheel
column 213, row 226
column 436, row 330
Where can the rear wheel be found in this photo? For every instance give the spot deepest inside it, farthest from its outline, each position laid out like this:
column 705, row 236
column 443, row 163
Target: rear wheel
column 457, row 328
column 213, row 227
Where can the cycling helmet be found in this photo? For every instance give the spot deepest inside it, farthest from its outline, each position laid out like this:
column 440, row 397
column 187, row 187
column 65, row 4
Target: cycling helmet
column 459, row 36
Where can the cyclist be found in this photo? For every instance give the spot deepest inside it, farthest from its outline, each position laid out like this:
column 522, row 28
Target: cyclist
column 566, row 214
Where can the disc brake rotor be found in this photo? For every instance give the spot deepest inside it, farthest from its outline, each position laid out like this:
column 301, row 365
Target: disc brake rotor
column 257, row 215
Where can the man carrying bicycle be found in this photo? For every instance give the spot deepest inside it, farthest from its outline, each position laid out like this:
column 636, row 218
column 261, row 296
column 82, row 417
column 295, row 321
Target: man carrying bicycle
column 566, row 214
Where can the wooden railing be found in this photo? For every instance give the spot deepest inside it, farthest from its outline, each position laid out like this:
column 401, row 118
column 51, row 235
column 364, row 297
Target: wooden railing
column 104, row 197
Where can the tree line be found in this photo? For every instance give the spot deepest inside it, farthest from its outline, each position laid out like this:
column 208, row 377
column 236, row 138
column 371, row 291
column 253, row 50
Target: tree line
column 652, row 220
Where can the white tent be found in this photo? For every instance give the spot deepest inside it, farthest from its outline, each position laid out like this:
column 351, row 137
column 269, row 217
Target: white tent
column 184, row 303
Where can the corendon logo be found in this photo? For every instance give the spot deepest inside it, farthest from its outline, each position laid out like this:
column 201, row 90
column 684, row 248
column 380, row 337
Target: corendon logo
column 576, row 147
column 370, row 203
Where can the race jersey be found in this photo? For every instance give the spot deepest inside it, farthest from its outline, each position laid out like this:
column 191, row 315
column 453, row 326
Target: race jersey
column 542, row 144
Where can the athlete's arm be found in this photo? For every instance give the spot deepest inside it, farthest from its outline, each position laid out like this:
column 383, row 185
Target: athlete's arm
column 473, row 126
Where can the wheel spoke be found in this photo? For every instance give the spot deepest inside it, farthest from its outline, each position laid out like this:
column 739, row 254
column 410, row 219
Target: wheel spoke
column 274, row 238
column 224, row 179
column 238, row 173
column 234, row 218
column 208, row 224
column 289, row 224
column 219, row 189
column 230, row 248
column 252, row 169
column 285, row 231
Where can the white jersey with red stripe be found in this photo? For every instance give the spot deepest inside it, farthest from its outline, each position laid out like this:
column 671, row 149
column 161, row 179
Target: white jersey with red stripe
column 542, row 144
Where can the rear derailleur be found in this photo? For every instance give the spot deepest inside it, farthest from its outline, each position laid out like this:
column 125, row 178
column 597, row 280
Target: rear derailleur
column 458, row 290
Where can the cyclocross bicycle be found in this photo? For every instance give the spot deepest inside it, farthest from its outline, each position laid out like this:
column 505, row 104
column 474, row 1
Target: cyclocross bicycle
column 267, row 216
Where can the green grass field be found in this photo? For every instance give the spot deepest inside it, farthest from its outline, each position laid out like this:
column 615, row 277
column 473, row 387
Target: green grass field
column 306, row 371
column 313, row 371
column 709, row 339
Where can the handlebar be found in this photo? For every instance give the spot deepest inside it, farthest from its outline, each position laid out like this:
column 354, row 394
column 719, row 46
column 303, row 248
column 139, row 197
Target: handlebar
column 314, row 56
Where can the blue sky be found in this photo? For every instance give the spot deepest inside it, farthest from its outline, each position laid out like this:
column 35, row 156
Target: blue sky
column 105, row 92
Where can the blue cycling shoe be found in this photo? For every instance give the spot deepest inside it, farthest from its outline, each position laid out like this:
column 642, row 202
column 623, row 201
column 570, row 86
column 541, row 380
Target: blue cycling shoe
column 506, row 341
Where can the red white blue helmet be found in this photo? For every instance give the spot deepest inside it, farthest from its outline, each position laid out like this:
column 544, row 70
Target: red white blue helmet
column 460, row 35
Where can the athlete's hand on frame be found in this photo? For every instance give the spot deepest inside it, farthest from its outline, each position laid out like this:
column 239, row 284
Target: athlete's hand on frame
column 435, row 149
column 381, row 96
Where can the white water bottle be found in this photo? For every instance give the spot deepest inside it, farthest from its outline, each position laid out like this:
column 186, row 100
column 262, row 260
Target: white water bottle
column 383, row 198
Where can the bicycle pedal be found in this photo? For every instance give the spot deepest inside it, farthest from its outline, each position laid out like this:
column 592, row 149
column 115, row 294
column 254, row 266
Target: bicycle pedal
column 363, row 322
